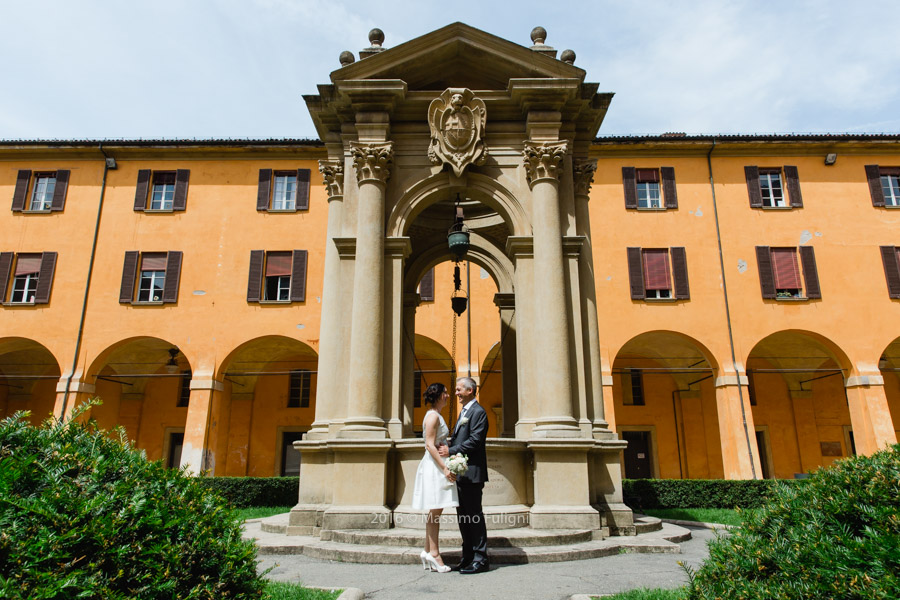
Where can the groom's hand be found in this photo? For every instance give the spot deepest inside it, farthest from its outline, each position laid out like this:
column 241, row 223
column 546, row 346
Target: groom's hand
column 444, row 450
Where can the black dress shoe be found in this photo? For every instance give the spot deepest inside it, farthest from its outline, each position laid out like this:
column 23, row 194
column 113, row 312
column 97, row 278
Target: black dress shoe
column 461, row 566
column 475, row 567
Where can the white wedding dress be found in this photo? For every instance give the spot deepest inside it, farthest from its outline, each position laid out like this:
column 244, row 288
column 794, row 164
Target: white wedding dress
column 432, row 490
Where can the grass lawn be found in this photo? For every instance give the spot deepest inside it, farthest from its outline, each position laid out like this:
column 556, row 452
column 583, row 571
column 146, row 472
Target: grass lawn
column 724, row 516
column 258, row 512
column 647, row 594
column 280, row 590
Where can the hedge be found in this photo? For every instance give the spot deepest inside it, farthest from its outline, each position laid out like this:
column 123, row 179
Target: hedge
column 244, row 492
column 700, row 493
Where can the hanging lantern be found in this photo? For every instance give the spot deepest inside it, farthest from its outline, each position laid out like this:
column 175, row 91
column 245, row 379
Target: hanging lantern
column 458, row 236
column 459, row 304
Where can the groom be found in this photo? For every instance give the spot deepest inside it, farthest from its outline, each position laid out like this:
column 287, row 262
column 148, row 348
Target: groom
column 469, row 439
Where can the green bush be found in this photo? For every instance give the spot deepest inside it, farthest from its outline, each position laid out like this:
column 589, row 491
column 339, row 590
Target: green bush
column 83, row 515
column 243, row 492
column 699, row 493
column 836, row 536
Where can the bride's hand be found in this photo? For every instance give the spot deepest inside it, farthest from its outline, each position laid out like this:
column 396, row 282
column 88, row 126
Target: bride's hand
column 450, row 476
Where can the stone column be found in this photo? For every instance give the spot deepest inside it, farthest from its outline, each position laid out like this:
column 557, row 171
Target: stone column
column 740, row 456
column 206, row 428
column 330, row 344
column 408, row 343
column 507, row 305
column 397, row 249
column 554, row 381
column 373, row 168
column 79, row 392
column 584, row 176
column 870, row 415
column 520, row 249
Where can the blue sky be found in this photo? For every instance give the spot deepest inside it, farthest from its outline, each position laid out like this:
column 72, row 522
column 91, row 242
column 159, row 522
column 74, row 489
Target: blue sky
column 238, row 68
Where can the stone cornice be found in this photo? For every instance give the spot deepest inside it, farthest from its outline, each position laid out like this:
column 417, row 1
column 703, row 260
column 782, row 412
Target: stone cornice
column 373, row 162
column 543, row 161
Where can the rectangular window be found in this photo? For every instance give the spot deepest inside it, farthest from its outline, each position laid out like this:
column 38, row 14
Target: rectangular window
column 771, row 189
column 653, row 276
column 150, row 277
column 184, row 393
column 40, row 192
column 299, row 391
column 162, row 195
column 417, row 389
column 284, row 191
column 161, row 191
column 277, row 276
column 651, row 189
column 290, row 458
column 890, row 258
column 783, row 276
column 153, row 277
column 176, row 444
column 632, row 387
column 890, row 187
column 26, row 278
column 426, row 286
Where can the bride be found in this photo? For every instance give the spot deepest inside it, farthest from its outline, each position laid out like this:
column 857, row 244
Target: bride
column 435, row 489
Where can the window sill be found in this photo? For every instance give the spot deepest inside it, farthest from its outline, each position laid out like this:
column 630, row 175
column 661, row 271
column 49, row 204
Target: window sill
column 37, row 212
column 282, row 210
column 778, row 207
column 662, row 300
column 147, row 303
column 159, row 210
column 795, row 299
column 650, row 209
column 19, row 304
column 274, row 302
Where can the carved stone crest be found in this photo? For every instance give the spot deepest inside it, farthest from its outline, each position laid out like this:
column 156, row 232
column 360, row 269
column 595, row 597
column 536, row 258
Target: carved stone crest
column 456, row 119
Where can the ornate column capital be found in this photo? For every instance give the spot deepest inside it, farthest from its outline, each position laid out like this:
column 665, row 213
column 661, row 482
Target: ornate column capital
column 584, row 169
column 373, row 162
column 333, row 176
column 543, row 161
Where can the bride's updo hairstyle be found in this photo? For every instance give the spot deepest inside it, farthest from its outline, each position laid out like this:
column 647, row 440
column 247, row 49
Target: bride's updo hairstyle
column 434, row 393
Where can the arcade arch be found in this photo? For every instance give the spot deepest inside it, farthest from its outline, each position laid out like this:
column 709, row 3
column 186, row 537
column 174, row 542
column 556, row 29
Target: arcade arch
column 28, row 376
column 889, row 365
column 799, row 403
column 665, row 407
column 268, row 403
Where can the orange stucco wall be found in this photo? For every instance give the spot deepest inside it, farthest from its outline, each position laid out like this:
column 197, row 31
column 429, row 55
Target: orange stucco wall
column 854, row 323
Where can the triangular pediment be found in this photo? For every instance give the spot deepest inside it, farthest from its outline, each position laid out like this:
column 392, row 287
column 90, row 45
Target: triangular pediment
column 458, row 56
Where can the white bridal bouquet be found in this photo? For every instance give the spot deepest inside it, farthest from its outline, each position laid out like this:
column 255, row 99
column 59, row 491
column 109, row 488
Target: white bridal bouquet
column 458, row 464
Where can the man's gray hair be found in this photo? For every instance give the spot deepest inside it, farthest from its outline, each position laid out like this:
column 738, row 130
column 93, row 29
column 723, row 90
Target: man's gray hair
column 469, row 383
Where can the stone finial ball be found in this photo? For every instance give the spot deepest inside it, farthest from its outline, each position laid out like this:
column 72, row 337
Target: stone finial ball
column 538, row 35
column 346, row 58
column 568, row 57
column 376, row 37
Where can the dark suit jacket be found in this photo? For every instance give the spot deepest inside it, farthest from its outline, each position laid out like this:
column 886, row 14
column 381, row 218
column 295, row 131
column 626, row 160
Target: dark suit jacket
column 469, row 440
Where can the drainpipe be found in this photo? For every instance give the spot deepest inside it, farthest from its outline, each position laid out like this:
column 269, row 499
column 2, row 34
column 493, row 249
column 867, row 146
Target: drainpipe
column 712, row 187
column 108, row 163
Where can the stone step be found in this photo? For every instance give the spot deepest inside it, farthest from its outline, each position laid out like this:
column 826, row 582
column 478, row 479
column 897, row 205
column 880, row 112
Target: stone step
column 503, row 538
column 664, row 540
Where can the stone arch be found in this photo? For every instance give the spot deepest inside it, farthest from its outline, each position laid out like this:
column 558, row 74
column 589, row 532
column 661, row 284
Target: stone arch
column 799, row 402
column 664, row 396
column 481, row 252
column 433, row 364
column 440, row 186
column 269, row 397
column 889, row 366
column 28, row 375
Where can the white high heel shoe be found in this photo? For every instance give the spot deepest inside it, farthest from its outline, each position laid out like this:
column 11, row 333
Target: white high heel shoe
column 432, row 561
column 424, row 557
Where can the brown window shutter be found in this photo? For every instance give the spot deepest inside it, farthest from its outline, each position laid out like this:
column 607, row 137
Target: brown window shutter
column 303, row 189
column 265, row 189
column 173, row 275
column 426, row 286
column 182, row 177
column 6, row 261
column 45, row 278
column 129, row 271
column 21, row 193
column 59, row 192
column 810, row 273
column 298, row 276
column 254, row 283
column 888, row 257
column 628, row 181
column 636, row 274
column 766, row 273
column 793, row 186
column 668, row 181
column 873, row 174
column 143, row 188
column 752, row 174
column 680, row 273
